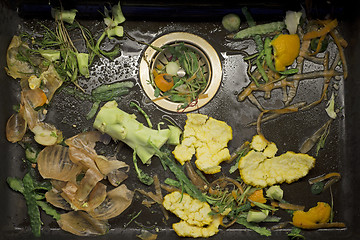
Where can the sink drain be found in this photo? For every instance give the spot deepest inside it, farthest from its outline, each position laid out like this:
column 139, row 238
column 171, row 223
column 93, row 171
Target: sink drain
column 208, row 59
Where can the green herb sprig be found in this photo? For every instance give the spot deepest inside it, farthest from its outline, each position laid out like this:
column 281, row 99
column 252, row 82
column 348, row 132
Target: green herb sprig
column 34, row 194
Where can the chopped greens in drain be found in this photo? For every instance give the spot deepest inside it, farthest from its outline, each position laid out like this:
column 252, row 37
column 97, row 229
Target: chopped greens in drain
column 179, row 75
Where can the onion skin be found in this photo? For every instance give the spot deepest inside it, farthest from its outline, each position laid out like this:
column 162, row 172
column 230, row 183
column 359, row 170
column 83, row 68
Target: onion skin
column 15, row 128
column 116, row 177
column 45, row 134
column 87, row 139
column 54, row 198
column 97, row 196
column 106, row 166
column 81, row 148
column 117, row 200
column 54, row 163
column 16, row 68
column 36, row 97
column 89, row 198
column 82, row 224
column 91, row 178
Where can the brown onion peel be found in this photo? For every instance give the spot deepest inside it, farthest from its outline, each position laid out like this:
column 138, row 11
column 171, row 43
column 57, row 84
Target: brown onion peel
column 194, row 177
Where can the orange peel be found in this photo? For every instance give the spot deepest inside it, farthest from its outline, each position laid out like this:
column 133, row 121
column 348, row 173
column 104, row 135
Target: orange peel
column 286, row 49
column 313, row 218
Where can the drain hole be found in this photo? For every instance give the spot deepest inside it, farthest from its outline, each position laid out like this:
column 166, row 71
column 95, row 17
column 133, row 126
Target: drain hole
column 208, row 63
column 163, row 58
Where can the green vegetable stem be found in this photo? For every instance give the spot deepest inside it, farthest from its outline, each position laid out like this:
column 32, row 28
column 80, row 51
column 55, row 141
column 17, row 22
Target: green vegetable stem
column 108, row 92
column 260, row 29
column 268, row 54
column 133, row 104
column 83, row 59
column 67, row 16
column 124, row 127
column 143, row 177
column 167, row 160
column 177, row 184
column 260, row 68
column 252, row 23
column 111, row 91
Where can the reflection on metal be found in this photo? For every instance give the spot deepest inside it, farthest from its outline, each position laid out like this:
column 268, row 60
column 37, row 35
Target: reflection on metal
column 208, row 58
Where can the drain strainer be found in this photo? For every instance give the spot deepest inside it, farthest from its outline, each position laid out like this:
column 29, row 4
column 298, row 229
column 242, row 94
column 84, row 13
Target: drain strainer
column 208, row 59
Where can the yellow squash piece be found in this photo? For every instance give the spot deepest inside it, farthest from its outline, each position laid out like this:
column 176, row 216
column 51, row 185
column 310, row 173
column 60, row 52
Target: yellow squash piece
column 286, row 49
column 194, row 215
column 313, row 217
column 207, row 138
column 260, row 168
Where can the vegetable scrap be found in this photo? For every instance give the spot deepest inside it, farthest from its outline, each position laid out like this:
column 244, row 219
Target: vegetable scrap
column 318, row 137
column 194, row 215
column 168, row 160
column 88, row 195
column 321, row 183
column 295, row 233
column 292, row 20
column 258, row 30
column 268, row 69
column 275, row 192
column 143, row 177
column 45, row 64
column 124, row 127
column 260, row 167
column 300, row 41
column 54, row 56
column 286, row 49
column 207, row 138
column 33, row 192
column 229, row 200
column 316, row 217
column 146, row 235
column 164, row 82
column 257, row 196
column 231, row 22
column 33, row 101
column 73, row 173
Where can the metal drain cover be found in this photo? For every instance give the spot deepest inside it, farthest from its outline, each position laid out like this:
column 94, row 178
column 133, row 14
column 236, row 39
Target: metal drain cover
column 208, row 57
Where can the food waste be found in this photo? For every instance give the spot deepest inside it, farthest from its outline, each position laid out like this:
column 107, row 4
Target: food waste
column 82, row 189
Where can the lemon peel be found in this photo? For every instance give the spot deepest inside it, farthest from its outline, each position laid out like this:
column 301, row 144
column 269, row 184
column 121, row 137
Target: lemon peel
column 207, row 138
column 260, row 167
column 196, row 220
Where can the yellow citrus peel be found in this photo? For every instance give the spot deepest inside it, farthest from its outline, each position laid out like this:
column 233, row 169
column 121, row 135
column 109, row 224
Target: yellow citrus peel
column 312, row 218
column 286, row 49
